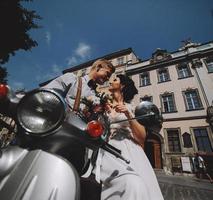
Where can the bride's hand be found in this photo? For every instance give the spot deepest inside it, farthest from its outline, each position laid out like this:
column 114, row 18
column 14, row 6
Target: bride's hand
column 121, row 108
column 108, row 107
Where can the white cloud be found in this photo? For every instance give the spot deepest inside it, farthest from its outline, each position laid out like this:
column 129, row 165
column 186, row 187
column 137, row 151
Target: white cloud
column 56, row 68
column 48, row 37
column 80, row 54
column 72, row 60
column 83, row 50
column 54, row 72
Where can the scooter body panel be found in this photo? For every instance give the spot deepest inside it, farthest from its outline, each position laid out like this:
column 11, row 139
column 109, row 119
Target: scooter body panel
column 39, row 175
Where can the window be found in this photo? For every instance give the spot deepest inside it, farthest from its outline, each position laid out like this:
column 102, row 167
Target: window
column 183, row 71
column 120, row 60
column 173, row 140
column 144, row 79
column 168, row 103
column 192, row 100
column 159, row 57
column 146, row 98
column 202, row 139
column 163, row 75
column 209, row 64
column 187, row 140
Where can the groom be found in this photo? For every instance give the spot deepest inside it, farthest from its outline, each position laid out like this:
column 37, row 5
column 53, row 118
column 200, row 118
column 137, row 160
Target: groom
column 99, row 73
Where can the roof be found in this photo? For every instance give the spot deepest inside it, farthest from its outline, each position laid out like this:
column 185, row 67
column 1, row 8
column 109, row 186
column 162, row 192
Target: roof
column 108, row 57
column 171, row 61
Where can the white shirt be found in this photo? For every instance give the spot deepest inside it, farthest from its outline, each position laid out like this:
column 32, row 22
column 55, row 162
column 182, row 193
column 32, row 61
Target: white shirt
column 62, row 83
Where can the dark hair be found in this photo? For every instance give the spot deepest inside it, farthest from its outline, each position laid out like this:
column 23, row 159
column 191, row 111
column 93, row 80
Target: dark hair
column 129, row 90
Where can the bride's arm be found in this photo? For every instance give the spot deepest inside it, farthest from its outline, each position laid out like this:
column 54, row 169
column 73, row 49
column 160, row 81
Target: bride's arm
column 138, row 130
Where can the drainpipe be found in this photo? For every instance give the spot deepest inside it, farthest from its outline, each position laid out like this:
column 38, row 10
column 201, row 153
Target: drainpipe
column 196, row 64
column 126, row 65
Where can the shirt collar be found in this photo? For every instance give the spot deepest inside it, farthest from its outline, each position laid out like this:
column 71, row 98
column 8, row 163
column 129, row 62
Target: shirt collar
column 90, row 82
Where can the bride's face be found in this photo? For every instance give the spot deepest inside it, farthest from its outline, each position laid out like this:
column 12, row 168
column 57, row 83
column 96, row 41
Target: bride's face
column 115, row 84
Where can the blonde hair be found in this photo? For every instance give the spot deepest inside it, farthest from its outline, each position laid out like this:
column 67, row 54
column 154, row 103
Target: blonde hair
column 103, row 61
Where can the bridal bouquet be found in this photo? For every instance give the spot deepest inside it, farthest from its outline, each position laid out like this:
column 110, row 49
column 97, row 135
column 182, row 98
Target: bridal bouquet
column 95, row 105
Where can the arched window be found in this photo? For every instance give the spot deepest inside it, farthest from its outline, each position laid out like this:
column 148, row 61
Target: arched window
column 187, row 140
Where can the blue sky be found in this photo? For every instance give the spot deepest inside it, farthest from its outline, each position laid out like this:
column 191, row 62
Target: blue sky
column 75, row 31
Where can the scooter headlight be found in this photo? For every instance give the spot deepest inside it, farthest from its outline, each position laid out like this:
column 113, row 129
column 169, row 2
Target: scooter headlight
column 41, row 112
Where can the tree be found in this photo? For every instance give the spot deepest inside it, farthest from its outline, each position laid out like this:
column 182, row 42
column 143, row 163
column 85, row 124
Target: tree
column 15, row 22
column 3, row 75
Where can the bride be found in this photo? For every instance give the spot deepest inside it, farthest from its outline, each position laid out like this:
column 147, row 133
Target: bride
column 136, row 180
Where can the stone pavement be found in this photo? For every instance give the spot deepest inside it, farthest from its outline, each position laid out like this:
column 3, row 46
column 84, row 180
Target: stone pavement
column 184, row 188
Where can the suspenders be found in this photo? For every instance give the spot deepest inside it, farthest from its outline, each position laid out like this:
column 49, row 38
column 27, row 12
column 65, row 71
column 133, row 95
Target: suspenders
column 78, row 95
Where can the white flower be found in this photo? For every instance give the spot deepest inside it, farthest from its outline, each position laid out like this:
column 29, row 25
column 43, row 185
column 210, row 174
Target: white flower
column 96, row 100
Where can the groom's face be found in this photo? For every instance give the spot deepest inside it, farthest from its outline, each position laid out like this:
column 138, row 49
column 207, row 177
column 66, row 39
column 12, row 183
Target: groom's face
column 103, row 73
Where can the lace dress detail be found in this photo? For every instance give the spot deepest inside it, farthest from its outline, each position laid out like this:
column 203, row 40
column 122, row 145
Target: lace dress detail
column 120, row 180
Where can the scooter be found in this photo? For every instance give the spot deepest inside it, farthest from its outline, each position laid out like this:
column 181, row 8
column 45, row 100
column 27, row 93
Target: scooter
column 46, row 160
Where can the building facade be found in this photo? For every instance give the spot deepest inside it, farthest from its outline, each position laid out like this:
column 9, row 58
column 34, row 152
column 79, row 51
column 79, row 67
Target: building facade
column 181, row 85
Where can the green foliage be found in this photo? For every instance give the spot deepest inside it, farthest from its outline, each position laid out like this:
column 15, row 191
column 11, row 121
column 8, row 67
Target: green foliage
column 3, row 75
column 15, row 22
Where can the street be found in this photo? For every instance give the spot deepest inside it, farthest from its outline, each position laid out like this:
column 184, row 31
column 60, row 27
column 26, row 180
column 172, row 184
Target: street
column 184, row 188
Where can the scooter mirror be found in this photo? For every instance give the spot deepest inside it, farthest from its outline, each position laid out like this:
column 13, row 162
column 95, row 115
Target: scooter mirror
column 149, row 115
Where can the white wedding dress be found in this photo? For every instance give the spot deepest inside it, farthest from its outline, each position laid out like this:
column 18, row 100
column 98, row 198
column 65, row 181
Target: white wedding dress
column 134, row 181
